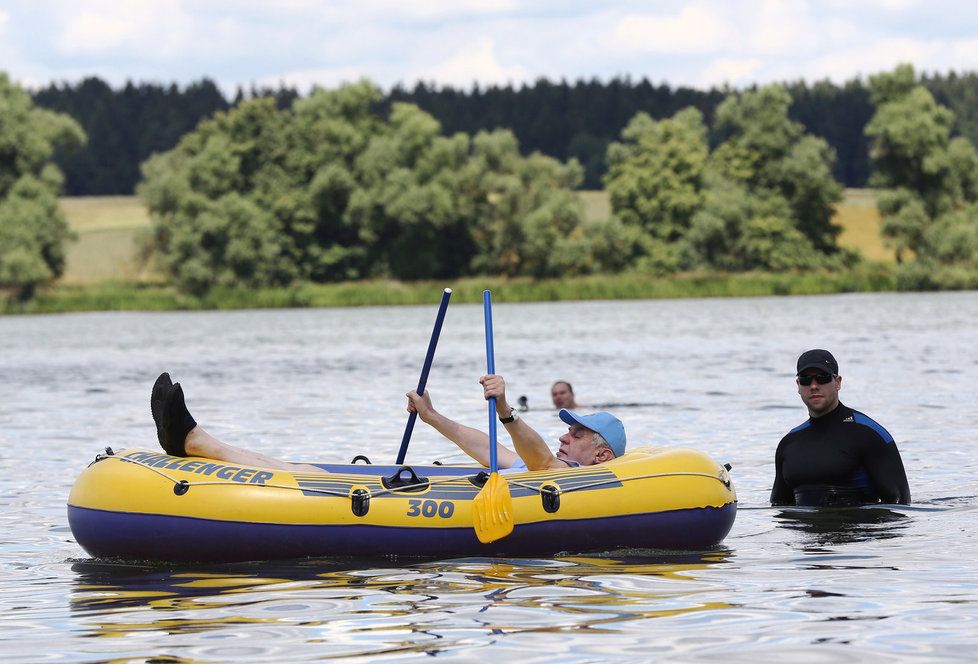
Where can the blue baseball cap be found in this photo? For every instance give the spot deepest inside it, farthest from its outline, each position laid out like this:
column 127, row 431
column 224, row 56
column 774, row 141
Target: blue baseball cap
column 606, row 424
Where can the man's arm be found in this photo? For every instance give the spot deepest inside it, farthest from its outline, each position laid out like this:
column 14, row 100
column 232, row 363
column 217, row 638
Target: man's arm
column 886, row 473
column 530, row 446
column 472, row 441
column 781, row 493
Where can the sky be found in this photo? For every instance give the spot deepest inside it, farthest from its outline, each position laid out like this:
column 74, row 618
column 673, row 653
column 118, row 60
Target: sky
column 459, row 43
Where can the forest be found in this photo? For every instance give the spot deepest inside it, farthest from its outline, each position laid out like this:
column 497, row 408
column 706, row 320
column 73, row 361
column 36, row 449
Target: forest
column 274, row 189
column 559, row 119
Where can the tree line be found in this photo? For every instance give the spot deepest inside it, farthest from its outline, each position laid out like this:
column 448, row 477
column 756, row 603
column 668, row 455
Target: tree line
column 560, row 119
column 345, row 184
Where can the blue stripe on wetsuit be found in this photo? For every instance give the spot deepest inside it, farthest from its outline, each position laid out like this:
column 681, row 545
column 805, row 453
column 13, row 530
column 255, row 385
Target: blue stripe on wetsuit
column 803, row 425
column 859, row 418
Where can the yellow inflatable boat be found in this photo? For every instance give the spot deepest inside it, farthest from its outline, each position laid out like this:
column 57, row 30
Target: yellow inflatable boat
column 144, row 505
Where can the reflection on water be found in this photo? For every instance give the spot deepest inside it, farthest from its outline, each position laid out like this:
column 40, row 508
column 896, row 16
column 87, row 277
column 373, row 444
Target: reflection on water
column 716, row 375
column 843, row 525
column 374, row 608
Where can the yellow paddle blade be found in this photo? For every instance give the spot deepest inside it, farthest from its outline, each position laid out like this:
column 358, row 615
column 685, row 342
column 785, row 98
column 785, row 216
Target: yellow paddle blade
column 492, row 510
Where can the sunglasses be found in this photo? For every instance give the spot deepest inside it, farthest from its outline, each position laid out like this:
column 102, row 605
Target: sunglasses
column 820, row 378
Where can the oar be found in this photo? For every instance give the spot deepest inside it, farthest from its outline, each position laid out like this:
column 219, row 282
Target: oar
column 492, row 509
column 424, row 372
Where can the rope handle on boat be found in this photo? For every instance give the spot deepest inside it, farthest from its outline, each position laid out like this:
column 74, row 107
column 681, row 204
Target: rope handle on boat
column 555, row 489
column 181, row 487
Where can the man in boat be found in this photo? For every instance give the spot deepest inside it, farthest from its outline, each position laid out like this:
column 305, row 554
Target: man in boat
column 839, row 456
column 590, row 439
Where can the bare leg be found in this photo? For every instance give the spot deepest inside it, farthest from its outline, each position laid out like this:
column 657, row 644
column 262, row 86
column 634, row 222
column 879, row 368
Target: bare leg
column 180, row 436
column 201, row 444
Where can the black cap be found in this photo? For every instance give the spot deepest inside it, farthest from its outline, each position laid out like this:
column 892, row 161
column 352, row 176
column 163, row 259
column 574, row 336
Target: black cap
column 818, row 359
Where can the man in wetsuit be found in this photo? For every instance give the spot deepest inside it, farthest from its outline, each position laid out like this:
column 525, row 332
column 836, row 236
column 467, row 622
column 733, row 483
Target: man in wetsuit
column 839, row 456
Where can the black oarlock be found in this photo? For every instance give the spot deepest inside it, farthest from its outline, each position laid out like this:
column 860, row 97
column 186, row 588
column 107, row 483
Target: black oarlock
column 550, row 495
column 360, row 502
column 399, row 482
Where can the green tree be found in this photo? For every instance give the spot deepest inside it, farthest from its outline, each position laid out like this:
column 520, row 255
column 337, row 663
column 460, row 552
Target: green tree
column 524, row 208
column 738, row 230
column 762, row 199
column 655, row 173
column 928, row 180
column 33, row 231
column 331, row 190
column 771, row 156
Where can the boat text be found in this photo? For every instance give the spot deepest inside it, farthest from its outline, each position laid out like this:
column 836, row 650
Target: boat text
column 220, row 471
column 430, row 508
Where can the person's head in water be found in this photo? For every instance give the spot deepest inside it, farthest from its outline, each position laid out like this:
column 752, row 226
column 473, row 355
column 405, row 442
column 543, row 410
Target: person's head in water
column 818, row 381
column 563, row 395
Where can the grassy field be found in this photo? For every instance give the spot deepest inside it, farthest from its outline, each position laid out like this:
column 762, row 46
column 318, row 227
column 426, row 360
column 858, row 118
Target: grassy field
column 860, row 222
column 113, row 232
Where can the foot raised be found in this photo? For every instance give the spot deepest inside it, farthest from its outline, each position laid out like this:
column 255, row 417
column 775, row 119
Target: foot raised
column 176, row 422
column 156, row 399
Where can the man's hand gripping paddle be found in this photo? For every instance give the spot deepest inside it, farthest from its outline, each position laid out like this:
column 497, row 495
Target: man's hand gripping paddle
column 492, row 509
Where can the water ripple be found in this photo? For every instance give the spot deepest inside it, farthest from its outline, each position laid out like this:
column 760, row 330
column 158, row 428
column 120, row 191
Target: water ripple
column 788, row 585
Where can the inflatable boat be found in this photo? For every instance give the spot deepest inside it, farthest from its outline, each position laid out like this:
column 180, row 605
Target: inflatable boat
column 142, row 505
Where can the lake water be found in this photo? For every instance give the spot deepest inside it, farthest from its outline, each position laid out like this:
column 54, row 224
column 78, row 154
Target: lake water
column 715, row 375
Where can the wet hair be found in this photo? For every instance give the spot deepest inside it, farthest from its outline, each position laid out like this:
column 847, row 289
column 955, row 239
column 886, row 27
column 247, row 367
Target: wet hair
column 562, row 382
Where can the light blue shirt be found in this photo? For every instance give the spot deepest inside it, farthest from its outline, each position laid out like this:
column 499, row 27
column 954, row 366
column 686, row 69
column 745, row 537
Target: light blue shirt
column 520, row 467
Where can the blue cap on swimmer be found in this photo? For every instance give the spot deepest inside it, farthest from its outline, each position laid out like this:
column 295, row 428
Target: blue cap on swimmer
column 606, row 424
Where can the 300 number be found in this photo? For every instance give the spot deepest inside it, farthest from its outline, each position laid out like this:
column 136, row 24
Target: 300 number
column 430, row 508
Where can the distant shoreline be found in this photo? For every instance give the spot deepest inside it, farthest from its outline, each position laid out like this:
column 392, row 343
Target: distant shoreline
column 111, row 268
column 158, row 296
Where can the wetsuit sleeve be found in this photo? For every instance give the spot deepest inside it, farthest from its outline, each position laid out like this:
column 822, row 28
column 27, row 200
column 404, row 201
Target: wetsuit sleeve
column 781, row 493
column 886, row 473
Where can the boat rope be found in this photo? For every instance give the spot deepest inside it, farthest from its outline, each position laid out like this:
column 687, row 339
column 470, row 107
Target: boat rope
column 185, row 485
column 612, row 480
column 549, row 486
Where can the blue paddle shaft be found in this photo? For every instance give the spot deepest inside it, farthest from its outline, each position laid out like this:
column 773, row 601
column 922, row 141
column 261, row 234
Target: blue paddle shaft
column 491, row 367
column 442, row 308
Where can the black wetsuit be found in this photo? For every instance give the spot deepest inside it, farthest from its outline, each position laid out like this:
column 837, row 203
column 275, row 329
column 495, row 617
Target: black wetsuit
column 840, row 458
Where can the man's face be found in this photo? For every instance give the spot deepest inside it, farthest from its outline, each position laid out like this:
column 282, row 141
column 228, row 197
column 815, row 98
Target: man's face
column 820, row 398
column 578, row 445
column 562, row 395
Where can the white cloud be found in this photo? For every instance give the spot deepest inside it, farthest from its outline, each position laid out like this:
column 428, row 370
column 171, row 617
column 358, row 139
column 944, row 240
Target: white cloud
column 457, row 42
column 473, row 63
column 871, row 57
column 306, row 79
column 894, row 5
column 734, row 71
column 780, row 27
column 91, row 33
column 162, row 30
column 964, row 54
column 696, row 29
column 440, row 9
column 372, row 11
